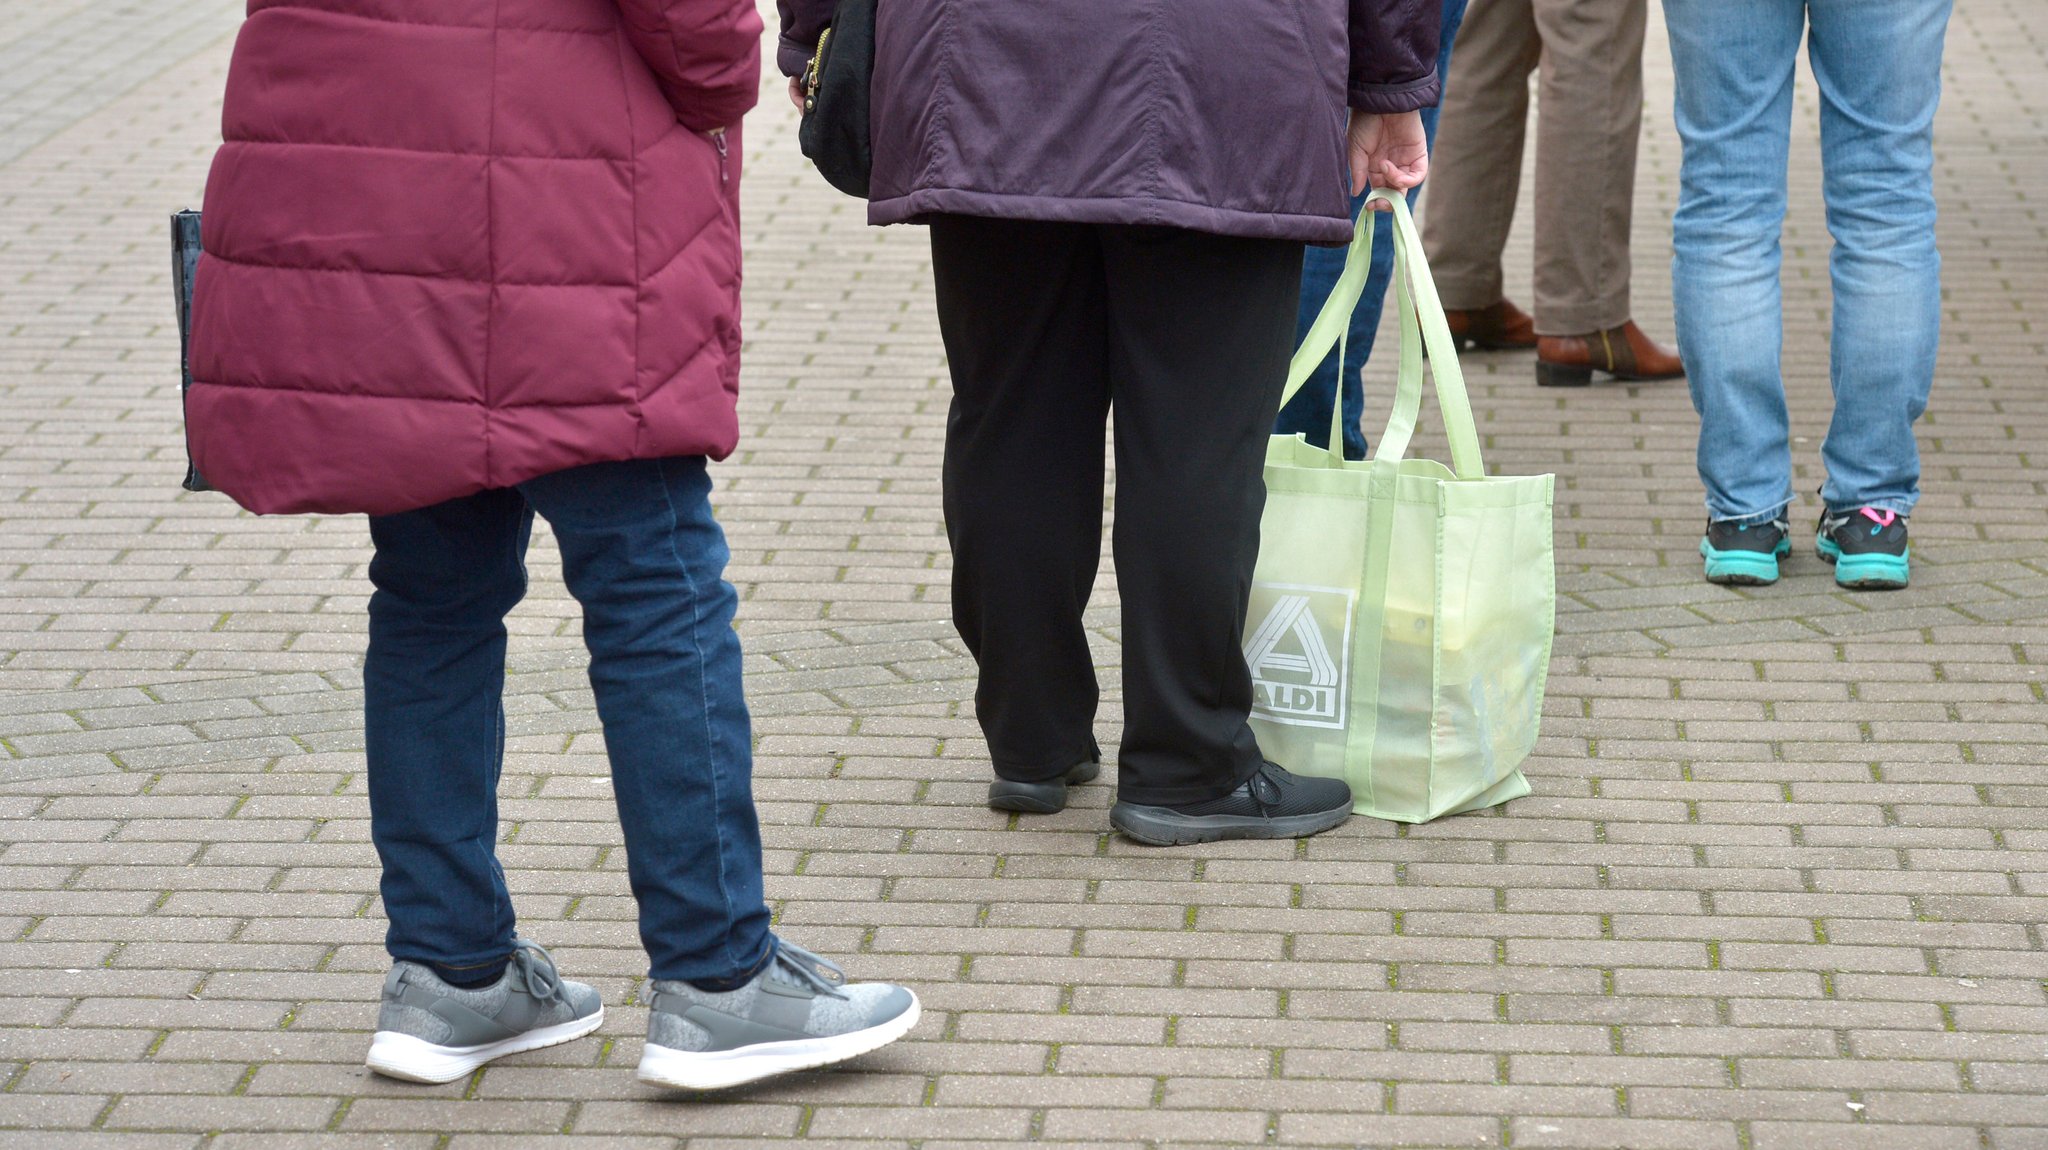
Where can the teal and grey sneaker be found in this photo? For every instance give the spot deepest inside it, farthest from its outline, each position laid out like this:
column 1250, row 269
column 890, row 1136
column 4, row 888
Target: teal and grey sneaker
column 799, row 1012
column 429, row 1031
column 1868, row 548
column 1745, row 555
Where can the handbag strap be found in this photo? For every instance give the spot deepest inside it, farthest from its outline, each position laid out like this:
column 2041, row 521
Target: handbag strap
column 1422, row 326
column 1333, row 323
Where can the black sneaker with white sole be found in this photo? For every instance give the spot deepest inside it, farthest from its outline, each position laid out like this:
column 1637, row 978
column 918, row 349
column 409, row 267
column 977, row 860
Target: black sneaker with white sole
column 1272, row 804
column 798, row 1013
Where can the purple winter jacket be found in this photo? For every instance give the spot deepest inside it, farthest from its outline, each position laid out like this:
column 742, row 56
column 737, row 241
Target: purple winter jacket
column 1223, row 116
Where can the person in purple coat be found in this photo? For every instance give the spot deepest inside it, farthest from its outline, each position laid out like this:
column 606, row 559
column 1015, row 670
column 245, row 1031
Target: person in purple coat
column 1118, row 193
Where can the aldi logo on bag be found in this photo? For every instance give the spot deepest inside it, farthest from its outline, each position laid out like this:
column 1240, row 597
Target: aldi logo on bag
column 1300, row 654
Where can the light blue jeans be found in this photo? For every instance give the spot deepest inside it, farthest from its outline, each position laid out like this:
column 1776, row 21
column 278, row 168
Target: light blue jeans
column 1878, row 64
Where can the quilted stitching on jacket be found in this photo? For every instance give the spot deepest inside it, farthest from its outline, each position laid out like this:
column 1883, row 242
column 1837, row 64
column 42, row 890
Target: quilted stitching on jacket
column 454, row 244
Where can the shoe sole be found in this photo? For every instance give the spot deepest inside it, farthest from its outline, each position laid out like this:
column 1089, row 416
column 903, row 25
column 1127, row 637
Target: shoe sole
column 1049, row 798
column 1744, row 568
column 413, row 1059
column 1562, row 375
column 1866, row 572
column 1162, row 827
column 721, row 1069
column 1575, row 375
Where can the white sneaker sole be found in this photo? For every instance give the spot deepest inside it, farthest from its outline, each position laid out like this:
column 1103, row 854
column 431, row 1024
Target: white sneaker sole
column 718, row 1069
column 396, row 1055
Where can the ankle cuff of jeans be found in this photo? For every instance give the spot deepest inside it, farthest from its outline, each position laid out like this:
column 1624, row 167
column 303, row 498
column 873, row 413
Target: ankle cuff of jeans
column 1755, row 520
column 1897, row 507
column 728, row 985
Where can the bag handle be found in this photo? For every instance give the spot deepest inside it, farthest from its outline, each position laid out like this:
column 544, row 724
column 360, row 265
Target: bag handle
column 1422, row 325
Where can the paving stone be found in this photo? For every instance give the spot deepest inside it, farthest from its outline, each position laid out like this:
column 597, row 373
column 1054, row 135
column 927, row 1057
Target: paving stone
column 159, row 1111
column 1793, row 1135
column 302, row 1140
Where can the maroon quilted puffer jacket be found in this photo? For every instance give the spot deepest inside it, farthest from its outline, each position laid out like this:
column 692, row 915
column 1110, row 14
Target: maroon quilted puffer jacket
column 456, row 244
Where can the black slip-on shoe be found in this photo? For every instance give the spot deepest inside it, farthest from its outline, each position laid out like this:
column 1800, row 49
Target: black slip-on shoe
column 1272, row 804
column 1046, row 798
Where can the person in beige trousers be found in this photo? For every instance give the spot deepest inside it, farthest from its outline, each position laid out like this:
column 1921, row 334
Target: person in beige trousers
column 1589, row 111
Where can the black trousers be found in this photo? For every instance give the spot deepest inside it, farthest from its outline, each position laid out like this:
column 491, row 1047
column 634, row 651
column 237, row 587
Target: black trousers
column 1186, row 336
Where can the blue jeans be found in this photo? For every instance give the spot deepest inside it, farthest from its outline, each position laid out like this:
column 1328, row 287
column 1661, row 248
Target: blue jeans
column 1309, row 411
column 1878, row 65
column 642, row 554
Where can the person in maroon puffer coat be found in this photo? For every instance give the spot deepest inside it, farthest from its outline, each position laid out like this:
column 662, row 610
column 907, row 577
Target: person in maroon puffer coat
column 466, row 261
column 1118, row 193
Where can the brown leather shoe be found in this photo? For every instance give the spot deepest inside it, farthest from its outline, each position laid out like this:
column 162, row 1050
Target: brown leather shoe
column 1499, row 327
column 1623, row 352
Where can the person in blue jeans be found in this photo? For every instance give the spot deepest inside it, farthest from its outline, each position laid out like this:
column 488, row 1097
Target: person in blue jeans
column 378, row 326
column 1877, row 64
column 729, row 1001
column 1309, row 411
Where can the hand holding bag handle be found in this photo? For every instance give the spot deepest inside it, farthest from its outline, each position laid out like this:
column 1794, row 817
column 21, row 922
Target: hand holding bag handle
column 1422, row 324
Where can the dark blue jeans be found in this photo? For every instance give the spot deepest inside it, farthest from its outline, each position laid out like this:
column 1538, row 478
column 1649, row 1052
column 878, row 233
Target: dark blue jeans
column 1309, row 411
column 644, row 557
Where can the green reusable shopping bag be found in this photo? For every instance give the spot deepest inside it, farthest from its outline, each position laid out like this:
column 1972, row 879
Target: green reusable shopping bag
column 1402, row 612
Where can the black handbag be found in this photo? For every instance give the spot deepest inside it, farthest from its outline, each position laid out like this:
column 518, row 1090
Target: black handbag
column 185, row 255
column 834, row 133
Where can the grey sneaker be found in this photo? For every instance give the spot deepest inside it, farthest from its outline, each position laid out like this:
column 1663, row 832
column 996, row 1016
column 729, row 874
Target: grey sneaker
column 429, row 1031
column 798, row 1013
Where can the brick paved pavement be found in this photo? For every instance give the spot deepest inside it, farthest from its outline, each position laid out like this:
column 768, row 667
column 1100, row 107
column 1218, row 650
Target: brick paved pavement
column 1781, row 884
